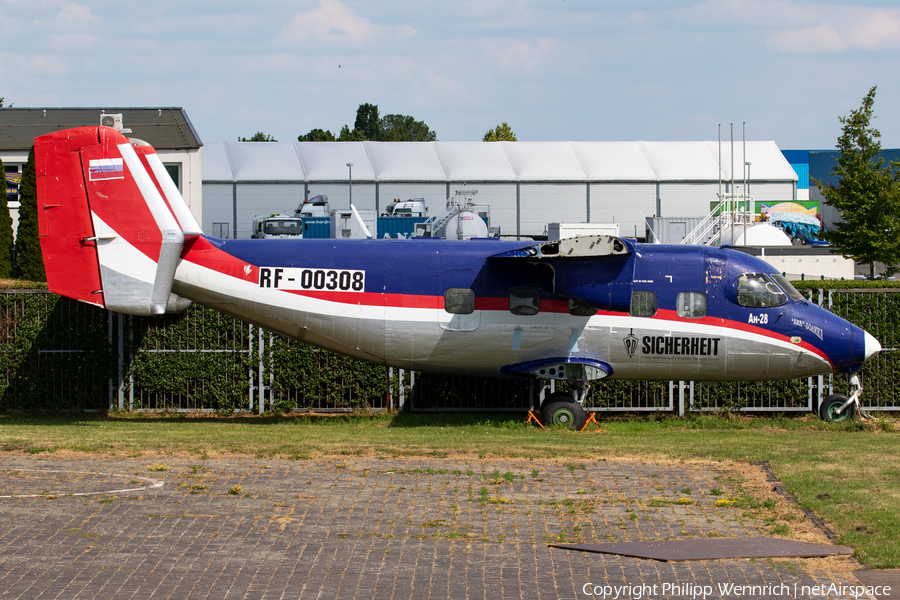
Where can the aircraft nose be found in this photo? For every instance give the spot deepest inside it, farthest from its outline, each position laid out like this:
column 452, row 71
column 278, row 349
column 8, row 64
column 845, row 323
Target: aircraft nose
column 872, row 346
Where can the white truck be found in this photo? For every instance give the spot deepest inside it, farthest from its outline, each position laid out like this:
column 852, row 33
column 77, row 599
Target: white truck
column 280, row 225
column 277, row 226
column 317, row 206
column 414, row 207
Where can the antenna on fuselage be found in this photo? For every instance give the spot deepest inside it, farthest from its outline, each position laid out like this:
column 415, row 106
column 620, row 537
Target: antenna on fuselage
column 361, row 222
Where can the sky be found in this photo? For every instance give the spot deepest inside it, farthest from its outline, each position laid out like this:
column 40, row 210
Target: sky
column 555, row 70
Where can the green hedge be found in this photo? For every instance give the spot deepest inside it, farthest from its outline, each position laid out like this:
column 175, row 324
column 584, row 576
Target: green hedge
column 845, row 284
column 54, row 353
column 57, row 354
column 199, row 358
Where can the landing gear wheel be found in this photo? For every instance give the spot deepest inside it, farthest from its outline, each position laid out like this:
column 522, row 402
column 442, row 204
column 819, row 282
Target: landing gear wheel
column 831, row 404
column 563, row 412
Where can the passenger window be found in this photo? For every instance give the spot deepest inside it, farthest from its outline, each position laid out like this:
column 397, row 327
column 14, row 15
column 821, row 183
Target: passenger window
column 523, row 301
column 459, row 301
column 581, row 309
column 691, row 305
column 643, row 304
column 756, row 290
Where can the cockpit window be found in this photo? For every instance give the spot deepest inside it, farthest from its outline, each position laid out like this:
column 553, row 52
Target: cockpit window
column 758, row 290
column 787, row 287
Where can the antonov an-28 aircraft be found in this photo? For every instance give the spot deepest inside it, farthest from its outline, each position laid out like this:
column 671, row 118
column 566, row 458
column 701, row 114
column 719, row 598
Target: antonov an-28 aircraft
column 115, row 232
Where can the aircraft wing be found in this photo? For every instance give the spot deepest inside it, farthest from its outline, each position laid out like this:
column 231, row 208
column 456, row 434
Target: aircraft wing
column 597, row 270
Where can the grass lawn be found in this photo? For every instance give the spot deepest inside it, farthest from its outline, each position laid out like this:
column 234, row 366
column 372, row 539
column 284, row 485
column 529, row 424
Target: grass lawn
column 848, row 474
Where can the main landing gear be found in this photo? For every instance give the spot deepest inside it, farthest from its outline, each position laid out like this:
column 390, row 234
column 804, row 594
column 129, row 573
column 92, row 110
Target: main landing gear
column 564, row 409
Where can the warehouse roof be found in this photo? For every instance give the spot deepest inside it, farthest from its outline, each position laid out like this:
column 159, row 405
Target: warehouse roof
column 162, row 128
column 436, row 162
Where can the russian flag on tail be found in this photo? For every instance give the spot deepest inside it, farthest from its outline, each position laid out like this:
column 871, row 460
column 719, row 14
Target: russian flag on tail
column 106, row 168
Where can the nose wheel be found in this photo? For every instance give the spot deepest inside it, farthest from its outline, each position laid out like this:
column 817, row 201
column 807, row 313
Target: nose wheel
column 831, row 409
column 838, row 408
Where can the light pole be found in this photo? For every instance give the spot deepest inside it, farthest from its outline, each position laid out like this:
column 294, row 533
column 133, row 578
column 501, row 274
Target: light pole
column 748, row 163
column 350, row 167
column 747, row 199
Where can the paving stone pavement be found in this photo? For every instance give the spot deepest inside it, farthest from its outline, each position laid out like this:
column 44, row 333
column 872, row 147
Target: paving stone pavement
column 366, row 528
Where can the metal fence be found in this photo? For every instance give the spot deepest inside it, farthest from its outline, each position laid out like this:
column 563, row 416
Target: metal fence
column 58, row 354
column 53, row 355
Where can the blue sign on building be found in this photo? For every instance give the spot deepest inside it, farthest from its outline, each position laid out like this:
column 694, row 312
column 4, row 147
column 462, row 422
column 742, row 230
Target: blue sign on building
column 12, row 183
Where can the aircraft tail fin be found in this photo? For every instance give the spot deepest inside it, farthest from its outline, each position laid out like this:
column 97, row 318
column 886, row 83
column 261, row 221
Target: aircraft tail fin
column 110, row 220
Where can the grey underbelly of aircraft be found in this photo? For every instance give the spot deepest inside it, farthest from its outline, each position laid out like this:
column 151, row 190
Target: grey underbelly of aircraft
column 428, row 340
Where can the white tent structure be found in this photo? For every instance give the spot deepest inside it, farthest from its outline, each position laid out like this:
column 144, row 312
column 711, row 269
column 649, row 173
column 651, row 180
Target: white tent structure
column 526, row 184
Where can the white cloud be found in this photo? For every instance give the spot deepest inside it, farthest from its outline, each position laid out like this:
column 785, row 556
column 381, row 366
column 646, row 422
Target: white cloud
column 518, row 55
column 434, row 85
column 801, row 26
column 76, row 14
column 71, row 41
column 42, row 64
column 753, row 12
column 810, row 40
column 879, row 29
column 821, row 29
column 334, row 23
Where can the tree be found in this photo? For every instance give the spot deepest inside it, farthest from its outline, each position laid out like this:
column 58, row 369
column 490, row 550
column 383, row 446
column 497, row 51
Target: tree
column 500, row 133
column 259, row 136
column 370, row 127
column 867, row 194
column 367, row 121
column 351, row 136
column 6, row 233
column 403, row 128
column 28, row 246
column 316, row 135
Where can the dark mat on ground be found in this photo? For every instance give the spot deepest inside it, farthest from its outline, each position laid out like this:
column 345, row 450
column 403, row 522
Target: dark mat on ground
column 759, row 547
column 879, row 580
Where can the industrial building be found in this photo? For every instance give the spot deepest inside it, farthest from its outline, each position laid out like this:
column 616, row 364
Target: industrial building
column 526, row 184
column 814, row 166
column 168, row 130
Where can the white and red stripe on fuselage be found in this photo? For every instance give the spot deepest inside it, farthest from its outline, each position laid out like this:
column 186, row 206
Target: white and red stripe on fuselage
column 399, row 319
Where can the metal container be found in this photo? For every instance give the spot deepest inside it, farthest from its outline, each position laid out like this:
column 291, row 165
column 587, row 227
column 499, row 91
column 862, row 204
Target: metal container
column 316, row 228
column 558, row 231
column 670, row 230
column 398, row 227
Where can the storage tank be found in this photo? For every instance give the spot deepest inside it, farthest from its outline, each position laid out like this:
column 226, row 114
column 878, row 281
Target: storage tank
column 464, row 225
